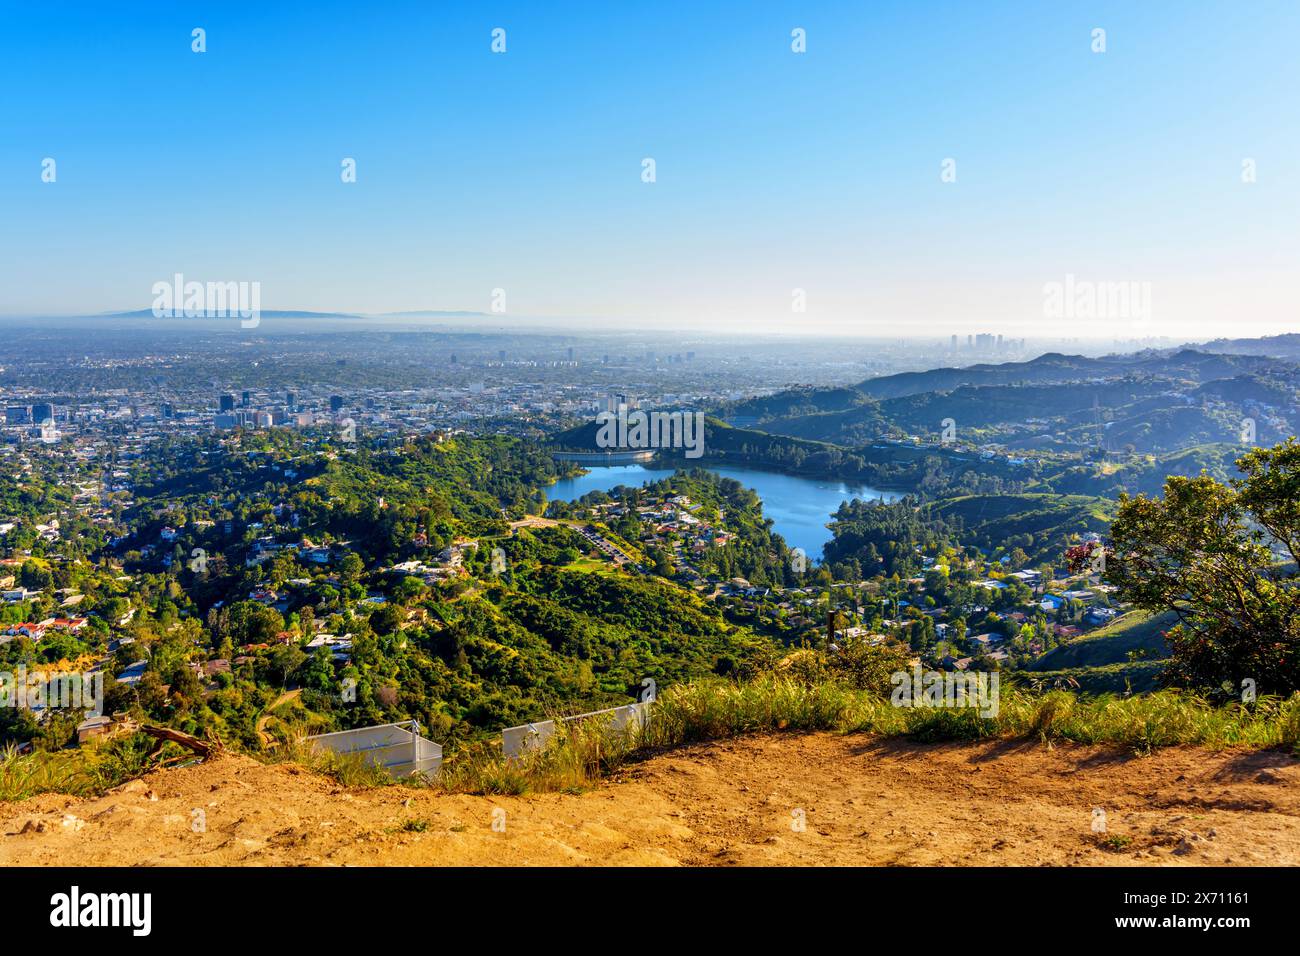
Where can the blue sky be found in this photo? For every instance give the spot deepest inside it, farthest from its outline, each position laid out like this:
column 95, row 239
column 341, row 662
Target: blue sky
column 775, row 170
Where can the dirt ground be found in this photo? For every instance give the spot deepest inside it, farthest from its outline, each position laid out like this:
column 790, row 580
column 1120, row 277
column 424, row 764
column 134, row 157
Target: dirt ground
column 860, row 801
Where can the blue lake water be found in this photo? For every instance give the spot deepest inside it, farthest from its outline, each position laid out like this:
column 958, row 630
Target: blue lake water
column 799, row 507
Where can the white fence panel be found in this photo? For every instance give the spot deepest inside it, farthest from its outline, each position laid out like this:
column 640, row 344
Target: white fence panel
column 398, row 748
column 620, row 718
column 516, row 741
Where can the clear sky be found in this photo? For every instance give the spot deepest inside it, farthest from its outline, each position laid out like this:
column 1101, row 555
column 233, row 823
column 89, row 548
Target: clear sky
column 775, row 170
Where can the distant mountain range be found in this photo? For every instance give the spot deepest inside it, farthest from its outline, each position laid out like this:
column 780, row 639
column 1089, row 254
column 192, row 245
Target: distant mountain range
column 265, row 313
column 1151, row 401
column 302, row 314
column 1053, row 367
column 1278, row 346
column 432, row 314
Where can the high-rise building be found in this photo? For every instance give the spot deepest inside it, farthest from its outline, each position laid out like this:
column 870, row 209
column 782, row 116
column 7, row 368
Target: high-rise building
column 226, row 403
column 18, row 415
column 615, row 400
column 336, row 402
column 247, row 399
column 290, row 399
column 42, row 413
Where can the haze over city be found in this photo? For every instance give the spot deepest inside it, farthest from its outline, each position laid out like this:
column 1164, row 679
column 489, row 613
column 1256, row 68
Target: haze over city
column 774, row 171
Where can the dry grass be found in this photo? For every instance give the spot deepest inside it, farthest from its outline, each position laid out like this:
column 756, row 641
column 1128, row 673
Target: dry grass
column 580, row 754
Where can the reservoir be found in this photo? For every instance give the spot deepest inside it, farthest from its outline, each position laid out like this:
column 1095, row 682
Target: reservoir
column 799, row 507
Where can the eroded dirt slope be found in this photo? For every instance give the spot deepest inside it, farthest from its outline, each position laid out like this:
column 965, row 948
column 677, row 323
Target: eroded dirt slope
column 863, row 801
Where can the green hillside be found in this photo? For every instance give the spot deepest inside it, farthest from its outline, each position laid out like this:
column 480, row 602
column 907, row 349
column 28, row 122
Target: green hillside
column 1148, row 402
column 1042, row 525
column 1135, row 631
column 1141, row 474
column 1140, row 677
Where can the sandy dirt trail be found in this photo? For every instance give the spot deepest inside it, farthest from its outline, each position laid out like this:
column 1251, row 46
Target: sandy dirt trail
column 862, row 801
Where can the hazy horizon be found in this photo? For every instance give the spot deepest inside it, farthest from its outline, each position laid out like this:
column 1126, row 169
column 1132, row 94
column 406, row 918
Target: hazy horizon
column 304, row 321
column 910, row 172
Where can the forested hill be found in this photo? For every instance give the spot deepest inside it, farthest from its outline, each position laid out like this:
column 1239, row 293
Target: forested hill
column 1049, row 368
column 380, row 583
column 885, row 466
column 1144, row 403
